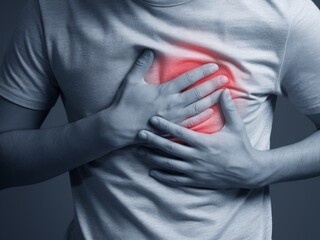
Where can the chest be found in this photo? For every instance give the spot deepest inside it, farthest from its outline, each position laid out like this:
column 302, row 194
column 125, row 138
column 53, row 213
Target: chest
column 94, row 57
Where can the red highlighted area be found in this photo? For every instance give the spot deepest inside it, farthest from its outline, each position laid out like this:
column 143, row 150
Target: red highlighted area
column 167, row 68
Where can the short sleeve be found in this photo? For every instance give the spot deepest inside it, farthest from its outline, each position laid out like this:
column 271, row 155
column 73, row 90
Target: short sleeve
column 25, row 74
column 300, row 73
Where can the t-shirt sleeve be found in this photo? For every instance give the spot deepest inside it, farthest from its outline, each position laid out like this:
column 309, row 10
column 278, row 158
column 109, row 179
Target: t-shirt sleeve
column 300, row 73
column 26, row 77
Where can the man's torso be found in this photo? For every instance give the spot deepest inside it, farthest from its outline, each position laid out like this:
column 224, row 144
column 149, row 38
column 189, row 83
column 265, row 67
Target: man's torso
column 93, row 44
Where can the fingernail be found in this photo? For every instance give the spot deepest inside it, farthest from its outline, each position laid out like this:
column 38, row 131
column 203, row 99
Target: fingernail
column 223, row 80
column 148, row 53
column 143, row 135
column 154, row 120
column 213, row 67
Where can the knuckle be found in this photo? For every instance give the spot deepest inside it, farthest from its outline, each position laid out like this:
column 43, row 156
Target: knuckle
column 189, row 124
column 231, row 107
column 199, row 158
column 167, row 88
column 196, row 93
column 196, row 108
column 179, row 132
column 167, row 110
column 169, row 165
column 173, row 180
column 164, row 89
column 140, row 63
column 172, row 106
column 188, row 78
column 169, row 147
column 179, row 100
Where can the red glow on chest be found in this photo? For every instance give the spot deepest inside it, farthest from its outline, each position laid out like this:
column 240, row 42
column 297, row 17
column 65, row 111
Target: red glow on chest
column 167, row 68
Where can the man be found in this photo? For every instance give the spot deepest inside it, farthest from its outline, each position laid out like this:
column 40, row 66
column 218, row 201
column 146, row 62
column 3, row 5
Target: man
column 85, row 49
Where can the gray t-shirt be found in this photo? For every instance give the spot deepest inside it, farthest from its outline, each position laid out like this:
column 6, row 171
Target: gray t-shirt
column 82, row 50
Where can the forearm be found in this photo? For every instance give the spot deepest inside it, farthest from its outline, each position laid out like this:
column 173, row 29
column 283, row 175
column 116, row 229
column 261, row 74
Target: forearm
column 31, row 156
column 296, row 161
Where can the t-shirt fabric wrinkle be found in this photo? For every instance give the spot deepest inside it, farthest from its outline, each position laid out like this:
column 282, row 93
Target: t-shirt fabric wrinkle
column 81, row 50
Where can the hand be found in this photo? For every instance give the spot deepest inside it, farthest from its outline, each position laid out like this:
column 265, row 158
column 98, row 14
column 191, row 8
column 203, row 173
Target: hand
column 222, row 160
column 137, row 101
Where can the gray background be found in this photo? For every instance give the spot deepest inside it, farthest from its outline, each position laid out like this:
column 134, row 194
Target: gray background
column 43, row 211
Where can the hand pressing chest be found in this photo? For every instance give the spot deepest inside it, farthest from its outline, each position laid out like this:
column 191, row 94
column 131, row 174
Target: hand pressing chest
column 99, row 48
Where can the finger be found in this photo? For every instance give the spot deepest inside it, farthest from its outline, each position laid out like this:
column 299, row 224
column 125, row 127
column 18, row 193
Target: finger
column 169, row 178
column 196, row 120
column 196, row 93
column 175, row 130
column 165, row 162
column 229, row 110
column 187, row 79
column 165, row 145
column 202, row 105
column 141, row 66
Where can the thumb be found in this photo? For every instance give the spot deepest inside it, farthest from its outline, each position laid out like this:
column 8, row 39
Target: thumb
column 141, row 66
column 229, row 110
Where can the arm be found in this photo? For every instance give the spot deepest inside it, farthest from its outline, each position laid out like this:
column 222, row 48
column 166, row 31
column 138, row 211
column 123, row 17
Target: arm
column 226, row 159
column 32, row 155
column 299, row 81
column 296, row 161
column 29, row 155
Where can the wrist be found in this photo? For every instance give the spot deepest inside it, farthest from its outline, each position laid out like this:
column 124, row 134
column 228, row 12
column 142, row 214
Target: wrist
column 270, row 168
column 112, row 132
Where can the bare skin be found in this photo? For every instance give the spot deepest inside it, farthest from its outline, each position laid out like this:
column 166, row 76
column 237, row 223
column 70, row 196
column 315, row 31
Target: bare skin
column 226, row 159
column 71, row 145
column 30, row 155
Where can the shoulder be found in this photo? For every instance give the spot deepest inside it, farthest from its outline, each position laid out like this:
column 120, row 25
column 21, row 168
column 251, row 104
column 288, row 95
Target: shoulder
column 288, row 10
column 293, row 9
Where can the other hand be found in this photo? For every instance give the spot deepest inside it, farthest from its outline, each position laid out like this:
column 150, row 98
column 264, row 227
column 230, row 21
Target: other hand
column 225, row 159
